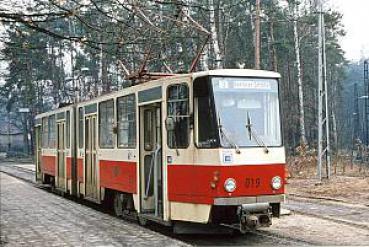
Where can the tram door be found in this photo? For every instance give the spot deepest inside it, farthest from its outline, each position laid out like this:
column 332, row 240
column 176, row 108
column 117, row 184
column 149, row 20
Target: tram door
column 61, row 155
column 38, row 152
column 151, row 160
column 90, row 158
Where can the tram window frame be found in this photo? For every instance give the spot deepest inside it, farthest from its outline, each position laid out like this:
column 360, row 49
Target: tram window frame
column 129, row 111
column 80, row 127
column 173, row 141
column 202, row 89
column 45, row 132
column 52, row 131
column 108, row 127
column 148, row 130
column 67, row 129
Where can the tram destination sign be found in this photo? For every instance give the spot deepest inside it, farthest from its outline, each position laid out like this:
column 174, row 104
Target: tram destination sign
column 245, row 84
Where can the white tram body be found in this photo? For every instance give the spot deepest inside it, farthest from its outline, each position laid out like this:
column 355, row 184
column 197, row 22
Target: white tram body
column 204, row 147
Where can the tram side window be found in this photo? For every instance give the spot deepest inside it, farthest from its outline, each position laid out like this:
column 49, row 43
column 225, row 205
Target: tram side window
column 52, row 130
column 45, row 132
column 67, row 132
column 178, row 109
column 80, row 127
column 106, row 122
column 126, row 114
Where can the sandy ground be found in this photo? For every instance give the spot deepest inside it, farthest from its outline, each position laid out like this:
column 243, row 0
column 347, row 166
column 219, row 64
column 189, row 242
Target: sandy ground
column 348, row 189
column 349, row 181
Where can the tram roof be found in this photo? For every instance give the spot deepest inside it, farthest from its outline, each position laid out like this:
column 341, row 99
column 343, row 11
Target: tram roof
column 237, row 72
column 218, row 72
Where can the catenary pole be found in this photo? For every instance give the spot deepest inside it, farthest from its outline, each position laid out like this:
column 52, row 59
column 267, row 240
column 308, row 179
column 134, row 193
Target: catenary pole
column 327, row 112
column 366, row 106
column 323, row 111
column 320, row 83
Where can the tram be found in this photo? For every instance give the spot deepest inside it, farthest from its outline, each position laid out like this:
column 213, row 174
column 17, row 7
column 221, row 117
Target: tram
column 195, row 149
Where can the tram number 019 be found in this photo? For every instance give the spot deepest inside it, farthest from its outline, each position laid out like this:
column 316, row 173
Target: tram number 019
column 252, row 182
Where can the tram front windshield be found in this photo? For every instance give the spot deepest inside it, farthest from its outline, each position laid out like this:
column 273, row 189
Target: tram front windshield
column 241, row 112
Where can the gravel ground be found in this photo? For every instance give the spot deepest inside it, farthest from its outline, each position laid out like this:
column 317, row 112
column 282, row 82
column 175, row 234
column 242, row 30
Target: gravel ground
column 350, row 214
column 343, row 188
column 320, row 231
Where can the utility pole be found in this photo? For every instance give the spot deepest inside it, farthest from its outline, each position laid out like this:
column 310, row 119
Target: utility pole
column 366, row 98
column 9, row 136
column 26, row 134
column 323, row 112
column 356, row 116
column 356, row 130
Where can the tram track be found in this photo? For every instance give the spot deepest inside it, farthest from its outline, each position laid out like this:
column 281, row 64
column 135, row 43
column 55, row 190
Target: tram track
column 340, row 221
column 9, row 170
column 324, row 215
column 290, row 240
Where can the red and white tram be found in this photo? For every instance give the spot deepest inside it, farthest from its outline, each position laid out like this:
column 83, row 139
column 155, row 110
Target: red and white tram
column 202, row 148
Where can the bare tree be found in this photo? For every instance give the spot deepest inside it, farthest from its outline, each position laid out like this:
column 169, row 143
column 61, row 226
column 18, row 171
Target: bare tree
column 257, row 34
column 299, row 75
column 214, row 37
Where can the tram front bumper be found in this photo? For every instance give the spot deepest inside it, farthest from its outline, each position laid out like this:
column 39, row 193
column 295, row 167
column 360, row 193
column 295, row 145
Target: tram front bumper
column 236, row 201
column 253, row 211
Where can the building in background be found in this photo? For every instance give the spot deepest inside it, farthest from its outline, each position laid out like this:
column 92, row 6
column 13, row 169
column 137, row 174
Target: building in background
column 11, row 137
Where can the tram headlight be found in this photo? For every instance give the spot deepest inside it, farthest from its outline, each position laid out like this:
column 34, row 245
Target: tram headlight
column 276, row 182
column 230, row 185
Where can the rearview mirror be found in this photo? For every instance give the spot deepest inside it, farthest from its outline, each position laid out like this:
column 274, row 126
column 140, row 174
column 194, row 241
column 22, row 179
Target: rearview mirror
column 170, row 124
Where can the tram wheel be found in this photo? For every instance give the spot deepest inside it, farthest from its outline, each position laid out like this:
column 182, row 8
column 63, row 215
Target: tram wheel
column 118, row 204
column 142, row 221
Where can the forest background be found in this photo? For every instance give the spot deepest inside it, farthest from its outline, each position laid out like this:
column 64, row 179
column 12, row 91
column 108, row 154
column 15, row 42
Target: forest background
column 59, row 51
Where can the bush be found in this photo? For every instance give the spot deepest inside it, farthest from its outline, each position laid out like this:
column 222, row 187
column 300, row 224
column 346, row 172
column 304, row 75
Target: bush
column 16, row 154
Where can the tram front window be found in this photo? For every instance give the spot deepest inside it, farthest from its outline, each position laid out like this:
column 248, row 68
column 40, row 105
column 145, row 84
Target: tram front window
column 245, row 112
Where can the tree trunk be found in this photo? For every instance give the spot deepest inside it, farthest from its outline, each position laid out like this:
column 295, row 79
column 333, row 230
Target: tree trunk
column 335, row 134
column 272, row 41
column 106, row 84
column 299, row 79
column 257, row 34
column 334, row 105
column 55, row 82
column 205, row 58
column 32, row 132
column 214, row 37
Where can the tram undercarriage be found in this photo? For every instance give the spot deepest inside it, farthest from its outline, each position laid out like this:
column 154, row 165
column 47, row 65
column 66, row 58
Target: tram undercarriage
column 228, row 219
column 222, row 219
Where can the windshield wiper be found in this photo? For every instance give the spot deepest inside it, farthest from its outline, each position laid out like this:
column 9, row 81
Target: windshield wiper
column 227, row 137
column 253, row 134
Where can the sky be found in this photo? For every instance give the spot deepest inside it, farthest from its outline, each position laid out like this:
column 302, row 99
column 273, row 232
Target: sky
column 356, row 22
